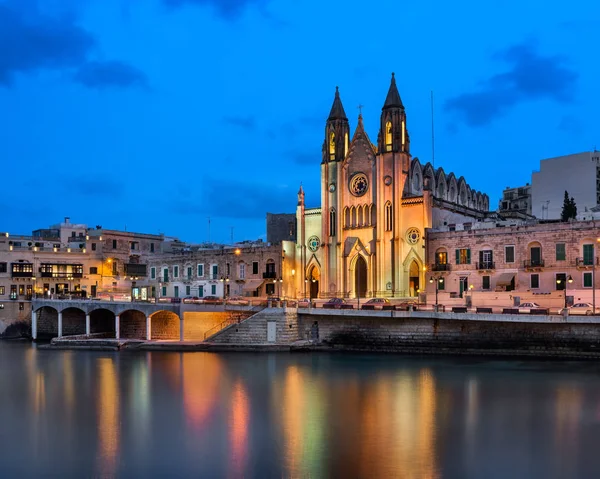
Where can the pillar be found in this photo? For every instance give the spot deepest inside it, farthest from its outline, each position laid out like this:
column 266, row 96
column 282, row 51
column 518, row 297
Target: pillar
column 148, row 328
column 117, row 326
column 33, row 325
column 181, row 330
column 60, row 324
column 87, row 325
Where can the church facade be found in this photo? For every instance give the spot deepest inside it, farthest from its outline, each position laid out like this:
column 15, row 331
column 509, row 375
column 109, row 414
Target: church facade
column 367, row 239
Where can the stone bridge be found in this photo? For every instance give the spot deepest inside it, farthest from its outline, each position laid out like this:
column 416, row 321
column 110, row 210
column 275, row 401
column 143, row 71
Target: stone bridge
column 103, row 317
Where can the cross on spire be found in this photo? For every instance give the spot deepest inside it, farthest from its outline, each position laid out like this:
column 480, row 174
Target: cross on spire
column 360, row 107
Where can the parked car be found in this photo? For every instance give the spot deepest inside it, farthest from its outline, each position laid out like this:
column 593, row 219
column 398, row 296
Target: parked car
column 405, row 305
column 527, row 307
column 191, row 300
column 375, row 303
column 334, row 303
column 304, row 303
column 238, row 301
column 212, row 300
column 586, row 309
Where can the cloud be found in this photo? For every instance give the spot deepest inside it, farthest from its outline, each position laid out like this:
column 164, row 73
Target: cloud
column 531, row 76
column 235, row 199
column 111, row 74
column 227, row 9
column 244, row 122
column 33, row 40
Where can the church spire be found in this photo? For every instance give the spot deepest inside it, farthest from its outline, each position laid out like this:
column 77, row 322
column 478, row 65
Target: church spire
column 301, row 196
column 337, row 130
column 337, row 109
column 393, row 97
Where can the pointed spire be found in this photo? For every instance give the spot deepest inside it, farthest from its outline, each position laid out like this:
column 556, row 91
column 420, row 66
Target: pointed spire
column 301, row 196
column 360, row 126
column 337, row 110
column 393, row 97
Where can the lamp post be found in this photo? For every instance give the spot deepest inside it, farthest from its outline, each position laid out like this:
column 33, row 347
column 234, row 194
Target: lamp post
column 436, row 280
column 225, row 281
column 569, row 280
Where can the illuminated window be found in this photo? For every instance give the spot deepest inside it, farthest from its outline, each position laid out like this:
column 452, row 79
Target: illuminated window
column 388, row 136
column 346, row 145
column 463, row 256
column 403, row 133
column 332, row 146
column 2, row 291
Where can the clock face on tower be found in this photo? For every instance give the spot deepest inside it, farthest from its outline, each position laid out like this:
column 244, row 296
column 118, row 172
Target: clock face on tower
column 331, row 187
column 359, row 184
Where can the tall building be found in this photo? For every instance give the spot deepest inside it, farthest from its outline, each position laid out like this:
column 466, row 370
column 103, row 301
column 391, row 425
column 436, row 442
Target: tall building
column 579, row 174
column 516, row 201
column 367, row 237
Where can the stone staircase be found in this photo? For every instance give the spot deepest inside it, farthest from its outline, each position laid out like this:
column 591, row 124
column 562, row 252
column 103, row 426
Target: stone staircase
column 254, row 330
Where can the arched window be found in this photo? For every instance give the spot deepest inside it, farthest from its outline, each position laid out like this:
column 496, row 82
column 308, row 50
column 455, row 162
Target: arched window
column 332, row 220
column 352, row 217
column 346, row 145
column 366, row 215
column 361, row 218
column 388, row 216
column 346, row 217
column 332, row 145
column 372, row 218
column 403, row 134
column 388, row 136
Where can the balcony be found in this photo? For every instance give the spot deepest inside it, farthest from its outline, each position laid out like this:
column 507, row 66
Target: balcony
column 533, row 263
column 440, row 267
column 132, row 269
column 22, row 274
column 61, row 275
column 486, row 265
column 586, row 263
column 269, row 275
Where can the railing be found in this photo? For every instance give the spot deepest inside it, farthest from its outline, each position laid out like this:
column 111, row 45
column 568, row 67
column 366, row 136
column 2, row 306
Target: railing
column 269, row 275
column 61, row 275
column 220, row 327
column 22, row 274
column 533, row 263
column 583, row 262
column 132, row 269
column 440, row 267
column 486, row 265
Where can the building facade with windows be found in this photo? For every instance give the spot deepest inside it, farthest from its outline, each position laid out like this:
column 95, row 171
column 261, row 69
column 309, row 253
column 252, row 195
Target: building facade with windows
column 248, row 269
column 366, row 238
column 536, row 258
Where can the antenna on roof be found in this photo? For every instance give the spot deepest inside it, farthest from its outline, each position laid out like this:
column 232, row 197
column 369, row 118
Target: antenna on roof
column 432, row 134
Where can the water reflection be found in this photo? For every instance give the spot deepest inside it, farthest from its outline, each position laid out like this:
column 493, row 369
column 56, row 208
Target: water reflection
column 108, row 417
column 84, row 414
column 238, row 430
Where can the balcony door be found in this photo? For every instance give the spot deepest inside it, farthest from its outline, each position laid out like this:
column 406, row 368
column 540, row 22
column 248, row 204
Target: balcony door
column 536, row 256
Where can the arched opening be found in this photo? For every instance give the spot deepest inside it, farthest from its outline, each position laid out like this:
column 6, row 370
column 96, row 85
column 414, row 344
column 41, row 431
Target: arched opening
column 413, row 279
column 47, row 323
column 313, row 282
column 132, row 324
column 360, row 277
column 535, row 254
column 164, row 326
column 332, row 146
column 73, row 322
column 102, row 321
column 388, row 136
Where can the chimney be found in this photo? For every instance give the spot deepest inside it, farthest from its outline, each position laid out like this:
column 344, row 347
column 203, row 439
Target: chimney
column 67, row 220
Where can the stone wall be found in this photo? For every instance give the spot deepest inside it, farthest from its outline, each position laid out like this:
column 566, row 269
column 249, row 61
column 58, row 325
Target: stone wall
column 195, row 325
column 11, row 313
column 254, row 329
column 436, row 334
column 132, row 325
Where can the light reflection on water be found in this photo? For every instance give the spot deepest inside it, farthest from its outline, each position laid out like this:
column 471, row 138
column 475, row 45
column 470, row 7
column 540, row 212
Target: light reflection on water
column 88, row 414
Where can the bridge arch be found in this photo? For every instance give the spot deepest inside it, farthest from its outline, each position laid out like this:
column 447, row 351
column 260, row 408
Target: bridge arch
column 73, row 321
column 102, row 320
column 165, row 325
column 47, row 322
column 132, row 324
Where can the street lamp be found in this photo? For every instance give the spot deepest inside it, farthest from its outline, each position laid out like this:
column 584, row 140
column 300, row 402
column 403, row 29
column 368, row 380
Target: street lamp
column 225, row 281
column 569, row 280
column 437, row 281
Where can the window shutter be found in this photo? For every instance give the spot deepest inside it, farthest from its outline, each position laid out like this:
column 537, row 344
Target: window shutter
column 468, row 256
column 480, row 258
column 457, row 256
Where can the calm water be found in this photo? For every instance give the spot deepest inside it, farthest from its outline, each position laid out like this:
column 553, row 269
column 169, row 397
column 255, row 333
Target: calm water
column 88, row 414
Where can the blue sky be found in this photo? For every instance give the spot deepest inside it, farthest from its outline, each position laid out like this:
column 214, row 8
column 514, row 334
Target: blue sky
column 157, row 114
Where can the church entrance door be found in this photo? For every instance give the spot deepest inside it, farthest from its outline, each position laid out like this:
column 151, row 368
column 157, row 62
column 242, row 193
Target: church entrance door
column 413, row 279
column 313, row 283
column 360, row 277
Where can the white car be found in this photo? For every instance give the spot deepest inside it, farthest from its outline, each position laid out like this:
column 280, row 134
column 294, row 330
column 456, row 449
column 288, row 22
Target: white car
column 585, row 309
column 527, row 307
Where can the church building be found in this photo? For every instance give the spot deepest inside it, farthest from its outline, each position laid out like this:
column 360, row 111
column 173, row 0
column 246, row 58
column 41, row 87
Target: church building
column 367, row 239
